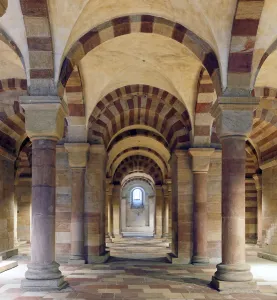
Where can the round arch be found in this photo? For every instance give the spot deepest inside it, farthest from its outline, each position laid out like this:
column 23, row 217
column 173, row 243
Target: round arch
column 147, row 24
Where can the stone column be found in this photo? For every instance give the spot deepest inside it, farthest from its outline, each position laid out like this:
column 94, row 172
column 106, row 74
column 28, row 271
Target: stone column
column 116, row 211
column 258, row 184
column 77, row 157
column 159, row 212
column 233, row 124
column 169, row 189
column 110, row 212
column 200, row 167
column 44, row 125
column 182, row 207
column 95, row 246
column 165, row 212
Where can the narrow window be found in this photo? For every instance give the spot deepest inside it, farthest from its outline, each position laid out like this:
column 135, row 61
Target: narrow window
column 137, row 198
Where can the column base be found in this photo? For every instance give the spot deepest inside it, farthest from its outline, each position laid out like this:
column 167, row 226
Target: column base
column 173, row 259
column 98, row 259
column 234, row 287
column 199, row 260
column 43, row 285
column 38, row 271
column 233, row 273
column 76, row 261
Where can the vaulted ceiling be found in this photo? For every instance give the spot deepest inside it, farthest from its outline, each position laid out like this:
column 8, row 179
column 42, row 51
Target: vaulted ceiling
column 139, row 77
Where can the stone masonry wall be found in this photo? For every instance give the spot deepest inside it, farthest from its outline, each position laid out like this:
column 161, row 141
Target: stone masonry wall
column 182, row 206
column 214, row 208
column 182, row 192
column 250, row 211
column 23, row 195
column 63, row 204
column 6, row 204
column 95, row 192
column 269, row 210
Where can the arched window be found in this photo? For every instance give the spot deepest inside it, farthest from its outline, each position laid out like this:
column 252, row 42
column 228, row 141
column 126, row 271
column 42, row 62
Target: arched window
column 137, row 198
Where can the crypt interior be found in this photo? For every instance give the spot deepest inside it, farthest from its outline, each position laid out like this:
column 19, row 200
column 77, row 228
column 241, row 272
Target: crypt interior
column 138, row 149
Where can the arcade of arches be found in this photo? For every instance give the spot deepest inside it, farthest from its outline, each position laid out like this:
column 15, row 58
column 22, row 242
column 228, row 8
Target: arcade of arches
column 147, row 122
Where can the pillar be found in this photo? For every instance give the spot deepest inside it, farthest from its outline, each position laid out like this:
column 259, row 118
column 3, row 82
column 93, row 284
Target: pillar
column 77, row 158
column 258, row 184
column 169, row 189
column 110, row 211
column 182, row 207
column 158, row 211
column 95, row 239
column 44, row 125
column 233, row 124
column 200, row 167
column 165, row 218
column 116, row 211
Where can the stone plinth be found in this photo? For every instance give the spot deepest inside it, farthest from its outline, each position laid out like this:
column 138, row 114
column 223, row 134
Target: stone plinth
column 200, row 167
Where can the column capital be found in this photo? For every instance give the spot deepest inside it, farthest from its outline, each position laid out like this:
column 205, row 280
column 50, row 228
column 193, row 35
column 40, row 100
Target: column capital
column 44, row 116
column 201, row 158
column 77, row 154
column 234, row 115
column 258, row 181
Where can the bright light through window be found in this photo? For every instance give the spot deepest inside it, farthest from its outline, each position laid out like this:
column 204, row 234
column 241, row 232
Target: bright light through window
column 137, row 198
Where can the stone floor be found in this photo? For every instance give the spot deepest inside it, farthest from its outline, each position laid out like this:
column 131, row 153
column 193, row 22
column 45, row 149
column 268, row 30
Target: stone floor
column 137, row 279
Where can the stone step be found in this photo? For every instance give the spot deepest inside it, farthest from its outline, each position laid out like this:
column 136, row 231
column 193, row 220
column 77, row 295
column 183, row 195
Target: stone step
column 140, row 241
column 7, row 265
column 137, row 248
column 137, row 244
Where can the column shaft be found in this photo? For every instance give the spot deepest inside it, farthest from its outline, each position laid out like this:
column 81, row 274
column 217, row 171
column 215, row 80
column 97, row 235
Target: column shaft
column 233, row 267
column 43, row 201
column 233, row 200
column 43, row 265
column 77, row 214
